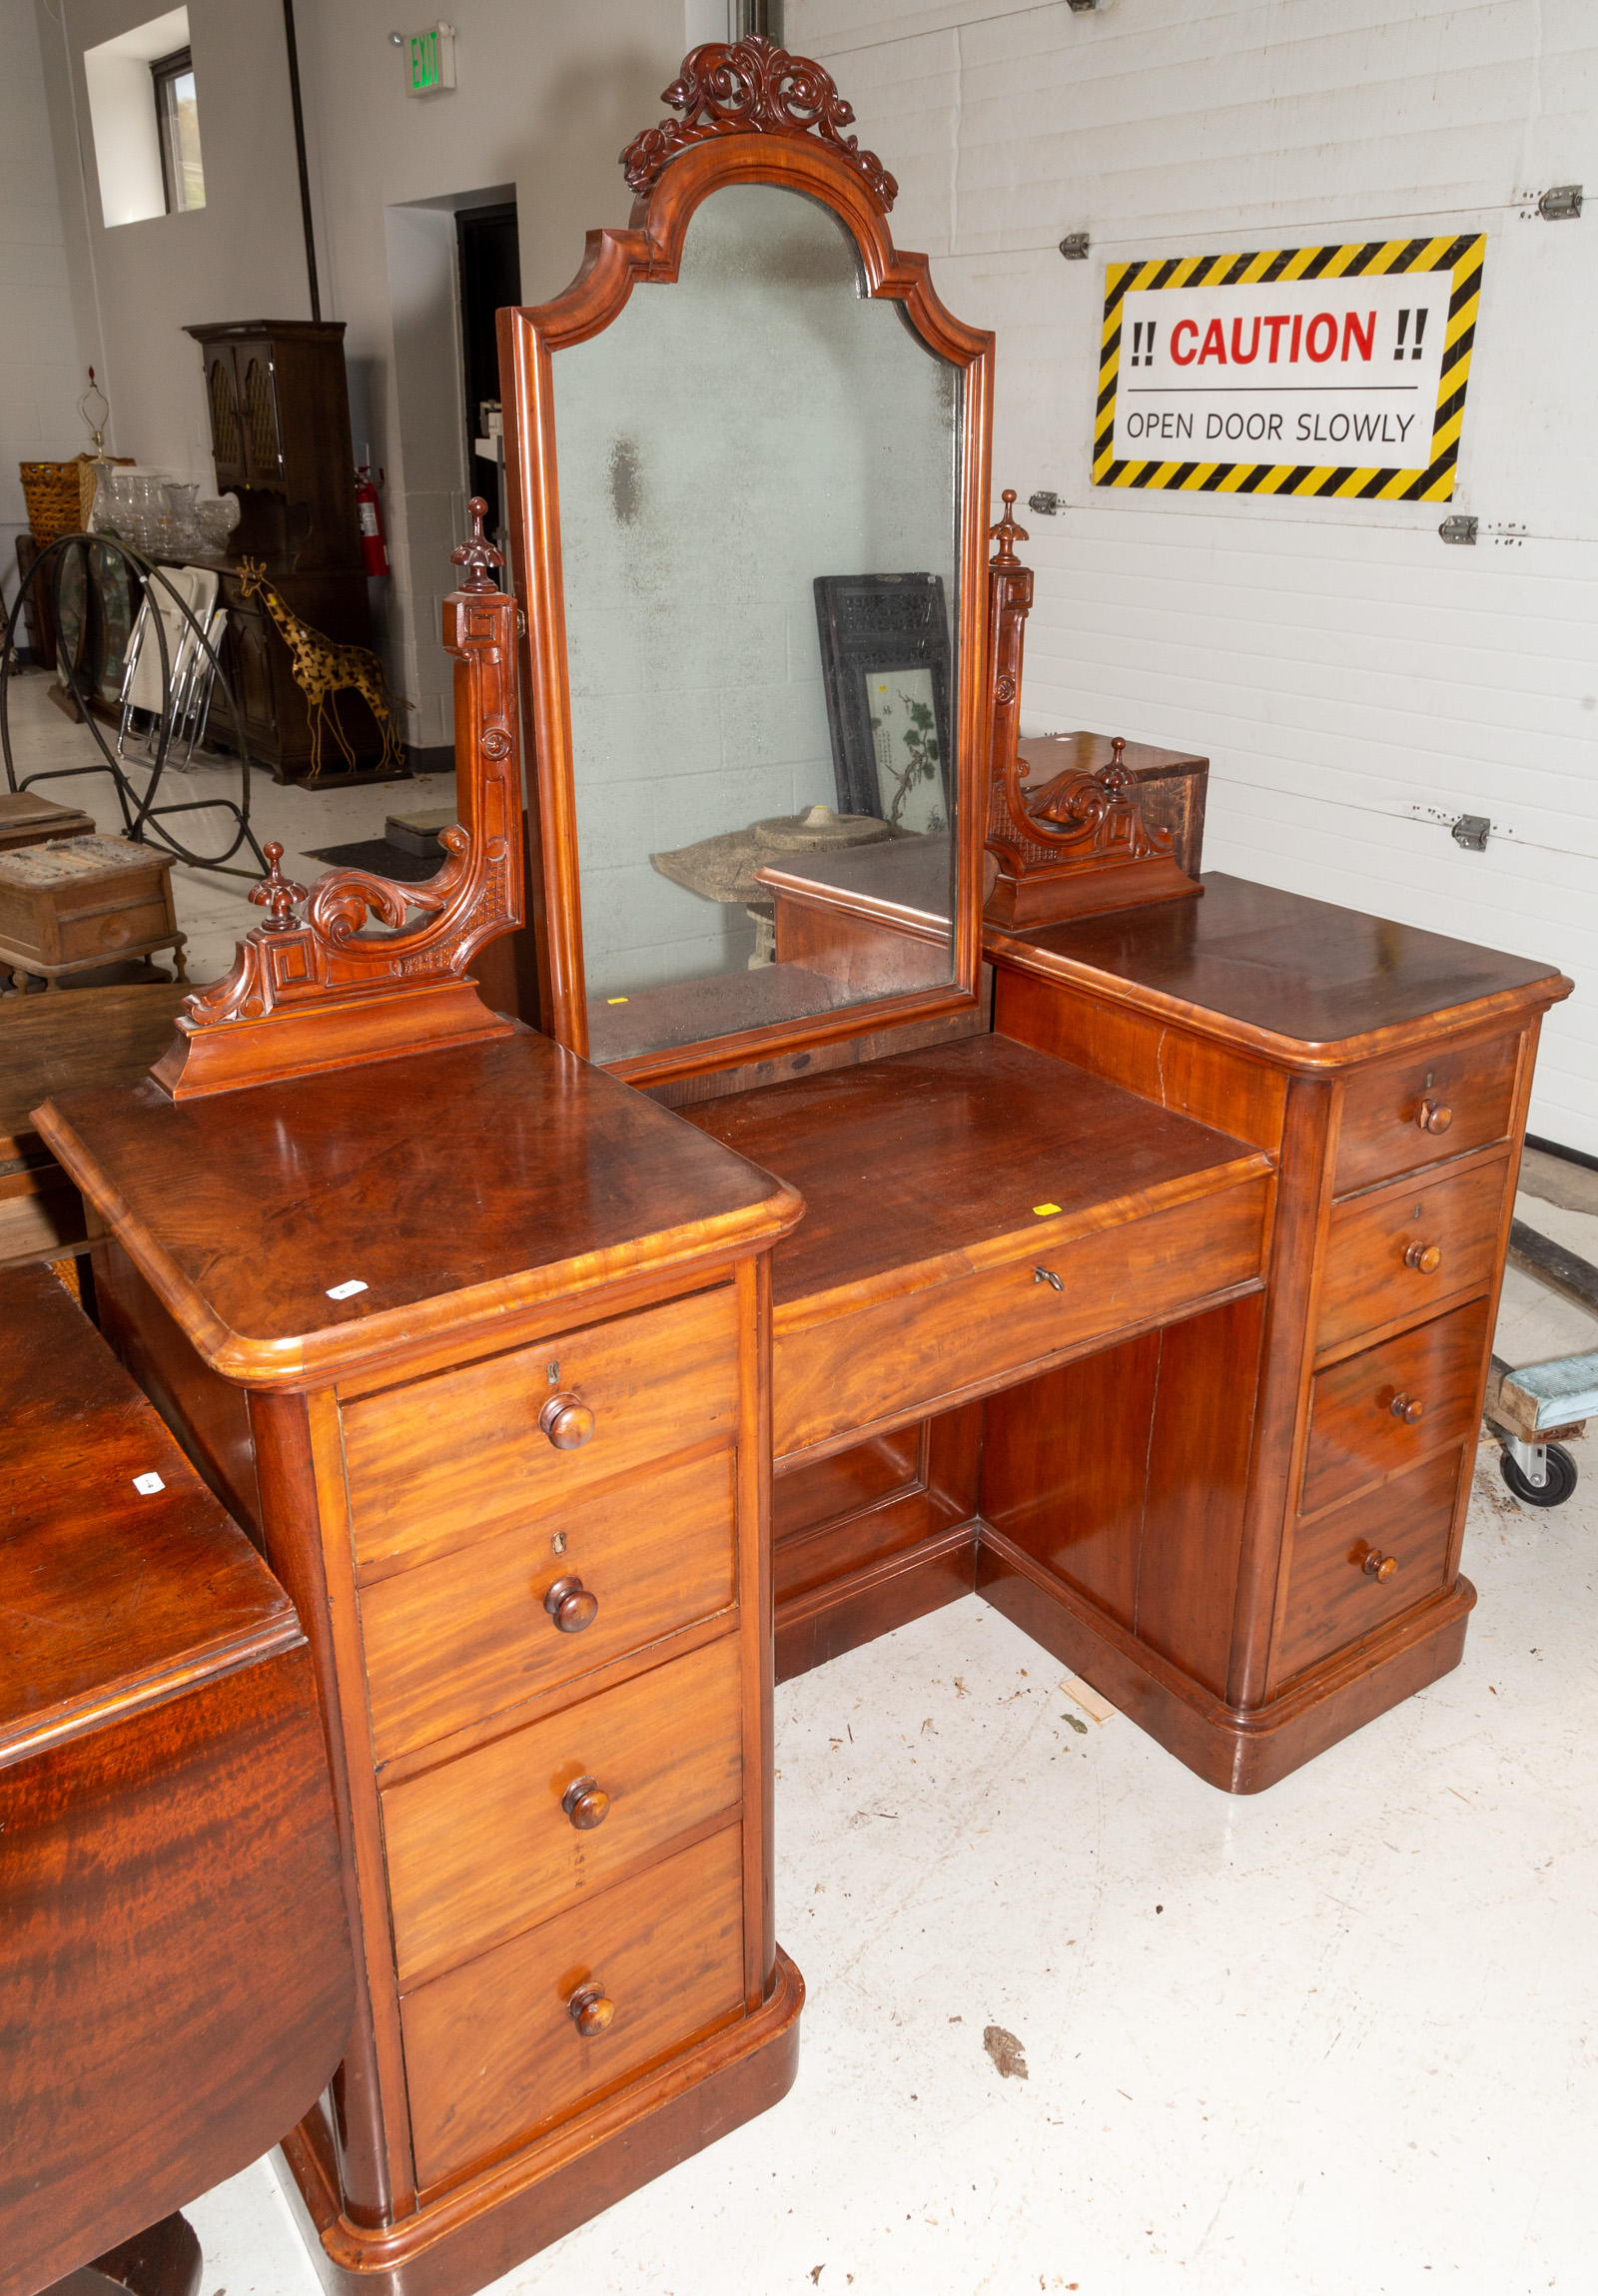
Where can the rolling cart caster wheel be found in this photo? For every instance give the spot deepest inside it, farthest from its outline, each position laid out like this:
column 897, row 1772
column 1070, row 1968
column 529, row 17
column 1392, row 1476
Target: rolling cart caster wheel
column 1561, row 1478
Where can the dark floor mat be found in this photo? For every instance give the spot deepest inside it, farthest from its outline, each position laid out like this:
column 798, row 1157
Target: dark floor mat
column 382, row 859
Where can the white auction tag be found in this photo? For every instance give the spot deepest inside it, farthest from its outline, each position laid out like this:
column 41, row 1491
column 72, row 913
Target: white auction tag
column 146, row 1484
column 345, row 1291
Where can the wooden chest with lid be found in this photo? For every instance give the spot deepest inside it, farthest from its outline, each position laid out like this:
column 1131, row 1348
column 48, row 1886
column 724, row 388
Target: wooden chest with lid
column 87, row 901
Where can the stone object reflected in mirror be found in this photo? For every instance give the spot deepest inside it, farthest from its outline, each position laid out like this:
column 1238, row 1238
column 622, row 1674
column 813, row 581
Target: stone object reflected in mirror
column 723, row 868
column 725, row 443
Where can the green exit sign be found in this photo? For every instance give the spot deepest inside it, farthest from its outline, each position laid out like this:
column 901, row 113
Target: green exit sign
column 429, row 60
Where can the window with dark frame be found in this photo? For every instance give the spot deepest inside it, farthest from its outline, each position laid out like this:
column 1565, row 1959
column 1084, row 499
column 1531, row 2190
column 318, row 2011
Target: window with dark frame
column 178, row 126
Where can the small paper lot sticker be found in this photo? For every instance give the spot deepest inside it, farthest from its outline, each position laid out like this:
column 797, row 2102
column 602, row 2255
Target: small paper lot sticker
column 148, row 1486
column 345, row 1291
column 1044, row 1210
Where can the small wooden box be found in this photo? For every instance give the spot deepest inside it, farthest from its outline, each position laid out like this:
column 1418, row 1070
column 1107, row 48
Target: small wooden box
column 1172, row 783
column 86, row 900
column 28, row 819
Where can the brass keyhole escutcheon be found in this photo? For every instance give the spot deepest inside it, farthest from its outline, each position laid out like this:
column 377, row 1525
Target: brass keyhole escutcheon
column 567, row 1423
column 1425, row 1258
column 590, row 2011
column 586, row 1803
column 571, row 1606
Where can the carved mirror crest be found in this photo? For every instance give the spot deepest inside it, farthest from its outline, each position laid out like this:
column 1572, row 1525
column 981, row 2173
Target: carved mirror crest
column 747, row 403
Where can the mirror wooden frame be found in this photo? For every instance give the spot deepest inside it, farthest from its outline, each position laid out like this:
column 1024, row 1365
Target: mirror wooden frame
column 760, row 146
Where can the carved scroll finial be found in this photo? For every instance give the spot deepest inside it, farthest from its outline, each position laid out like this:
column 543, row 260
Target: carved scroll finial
column 1007, row 533
column 276, row 894
column 751, row 86
column 477, row 556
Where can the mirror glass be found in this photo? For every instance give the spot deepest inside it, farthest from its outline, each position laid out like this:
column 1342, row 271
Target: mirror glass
column 759, row 472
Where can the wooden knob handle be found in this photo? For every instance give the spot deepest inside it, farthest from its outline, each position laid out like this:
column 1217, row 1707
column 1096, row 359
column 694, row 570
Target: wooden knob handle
column 566, row 1422
column 1378, row 1566
column 1408, row 1408
column 590, row 2011
column 1426, row 1258
column 586, row 1803
column 1434, row 1116
column 571, row 1606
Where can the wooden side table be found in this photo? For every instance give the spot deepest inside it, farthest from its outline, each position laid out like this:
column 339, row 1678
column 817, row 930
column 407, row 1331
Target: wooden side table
column 85, row 902
column 175, row 1983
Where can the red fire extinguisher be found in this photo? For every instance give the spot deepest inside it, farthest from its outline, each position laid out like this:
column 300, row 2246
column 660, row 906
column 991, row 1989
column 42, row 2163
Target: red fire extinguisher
column 369, row 511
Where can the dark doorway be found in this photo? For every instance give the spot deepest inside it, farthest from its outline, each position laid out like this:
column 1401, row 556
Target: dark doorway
column 490, row 277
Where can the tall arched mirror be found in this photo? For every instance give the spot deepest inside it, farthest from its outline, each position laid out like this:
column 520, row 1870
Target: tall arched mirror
column 748, row 455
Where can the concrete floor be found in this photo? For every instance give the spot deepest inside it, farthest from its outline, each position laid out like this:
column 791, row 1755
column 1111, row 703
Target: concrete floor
column 1335, row 2041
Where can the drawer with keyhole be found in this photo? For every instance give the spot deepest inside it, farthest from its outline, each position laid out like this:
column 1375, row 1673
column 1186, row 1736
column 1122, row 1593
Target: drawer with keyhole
column 1400, row 1115
column 457, row 1640
column 540, row 1426
column 1399, row 1253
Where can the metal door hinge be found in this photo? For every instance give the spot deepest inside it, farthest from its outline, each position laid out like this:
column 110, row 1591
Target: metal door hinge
column 1459, row 529
column 1045, row 504
column 1472, row 831
column 1073, row 247
column 1562, row 204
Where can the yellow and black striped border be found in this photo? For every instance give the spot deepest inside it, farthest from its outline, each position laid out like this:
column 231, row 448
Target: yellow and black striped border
column 1464, row 257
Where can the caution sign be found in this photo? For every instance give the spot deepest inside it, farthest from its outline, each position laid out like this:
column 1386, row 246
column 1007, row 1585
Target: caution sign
column 1302, row 371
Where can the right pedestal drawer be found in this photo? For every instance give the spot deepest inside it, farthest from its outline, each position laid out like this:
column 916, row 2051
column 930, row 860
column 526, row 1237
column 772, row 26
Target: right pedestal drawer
column 1394, row 1254
column 1358, row 1566
column 1377, row 1413
column 520, row 2037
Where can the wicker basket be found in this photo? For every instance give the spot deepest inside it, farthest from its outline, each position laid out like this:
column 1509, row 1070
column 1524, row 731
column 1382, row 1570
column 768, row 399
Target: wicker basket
column 60, row 496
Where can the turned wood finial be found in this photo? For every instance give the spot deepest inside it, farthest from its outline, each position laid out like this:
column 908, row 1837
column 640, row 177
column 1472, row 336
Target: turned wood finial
column 1007, row 533
column 276, row 894
column 477, row 555
column 1117, row 776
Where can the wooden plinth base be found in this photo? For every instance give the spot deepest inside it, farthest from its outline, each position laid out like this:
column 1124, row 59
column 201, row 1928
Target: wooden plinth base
column 821, row 1625
column 474, row 2231
column 1241, row 1752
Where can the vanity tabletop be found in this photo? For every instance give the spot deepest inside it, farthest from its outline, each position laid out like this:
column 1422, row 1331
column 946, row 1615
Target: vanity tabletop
column 1311, row 984
column 299, row 1228
column 927, row 1158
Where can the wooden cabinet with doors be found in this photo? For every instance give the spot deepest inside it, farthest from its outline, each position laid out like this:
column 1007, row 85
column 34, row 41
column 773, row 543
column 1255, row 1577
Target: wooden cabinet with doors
column 279, row 406
column 279, row 409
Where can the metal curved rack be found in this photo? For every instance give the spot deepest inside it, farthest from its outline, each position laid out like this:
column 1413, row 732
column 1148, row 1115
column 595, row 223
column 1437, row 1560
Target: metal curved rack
column 144, row 821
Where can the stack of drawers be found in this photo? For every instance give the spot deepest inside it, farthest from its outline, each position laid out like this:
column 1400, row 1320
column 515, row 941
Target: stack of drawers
column 1421, row 1201
column 555, row 1684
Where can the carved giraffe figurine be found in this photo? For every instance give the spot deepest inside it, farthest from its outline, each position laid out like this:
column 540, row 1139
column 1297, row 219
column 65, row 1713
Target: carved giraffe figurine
column 323, row 668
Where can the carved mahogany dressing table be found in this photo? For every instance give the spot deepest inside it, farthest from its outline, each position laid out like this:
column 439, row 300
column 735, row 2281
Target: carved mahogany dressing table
column 497, row 1353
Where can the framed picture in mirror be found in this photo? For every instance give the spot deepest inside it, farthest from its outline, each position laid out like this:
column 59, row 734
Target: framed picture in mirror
column 884, row 661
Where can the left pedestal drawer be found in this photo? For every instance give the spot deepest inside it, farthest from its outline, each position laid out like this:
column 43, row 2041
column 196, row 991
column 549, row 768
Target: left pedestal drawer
column 459, row 1639
column 486, row 1845
column 494, row 2051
